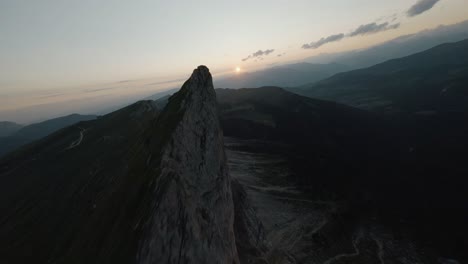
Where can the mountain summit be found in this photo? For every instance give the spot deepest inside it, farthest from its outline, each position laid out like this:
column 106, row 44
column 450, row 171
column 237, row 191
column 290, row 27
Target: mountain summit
column 135, row 186
column 192, row 221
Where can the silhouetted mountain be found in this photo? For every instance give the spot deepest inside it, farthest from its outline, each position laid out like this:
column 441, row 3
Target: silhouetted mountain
column 430, row 81
column 8, row 128
column 32, row 132
column 396, row 48
column 164, row 94
column 288, row 75
column 134, row 186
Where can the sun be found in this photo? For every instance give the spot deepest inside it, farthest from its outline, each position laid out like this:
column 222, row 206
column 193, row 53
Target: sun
column 238, row 69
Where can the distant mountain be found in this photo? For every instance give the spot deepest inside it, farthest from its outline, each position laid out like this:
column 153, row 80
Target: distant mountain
column 159, row 95
column 396, row 48
column 32, row 132
column 8, row 128
column 289, row 75
column 430, row 81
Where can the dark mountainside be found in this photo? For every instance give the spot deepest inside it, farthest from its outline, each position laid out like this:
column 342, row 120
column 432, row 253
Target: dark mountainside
column 134, row 186
column 8, row 128
column 29, row 133
column 334, row 139
column 433, row 80
column 382, row 176
column 64, row 197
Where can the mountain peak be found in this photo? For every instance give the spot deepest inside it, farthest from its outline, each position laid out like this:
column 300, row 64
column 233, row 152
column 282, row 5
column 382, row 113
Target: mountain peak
column 201, row 70
column 197, row 95
column 195, row 210
column 201, row 76
column 153, row 188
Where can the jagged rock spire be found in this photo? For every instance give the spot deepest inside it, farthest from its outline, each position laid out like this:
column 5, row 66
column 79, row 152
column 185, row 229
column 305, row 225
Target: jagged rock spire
column 192, row 210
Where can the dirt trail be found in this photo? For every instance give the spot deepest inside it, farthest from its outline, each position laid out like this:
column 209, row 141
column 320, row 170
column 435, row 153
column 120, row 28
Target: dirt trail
column 77, row 142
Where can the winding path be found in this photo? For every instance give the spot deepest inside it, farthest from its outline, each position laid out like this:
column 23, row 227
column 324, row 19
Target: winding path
column 77, row 142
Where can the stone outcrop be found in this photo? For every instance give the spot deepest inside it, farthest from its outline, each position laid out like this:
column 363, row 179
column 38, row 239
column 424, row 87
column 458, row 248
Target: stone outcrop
column 191, row 213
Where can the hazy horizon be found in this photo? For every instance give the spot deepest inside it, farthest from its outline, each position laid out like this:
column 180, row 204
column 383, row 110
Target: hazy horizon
column 59, row 58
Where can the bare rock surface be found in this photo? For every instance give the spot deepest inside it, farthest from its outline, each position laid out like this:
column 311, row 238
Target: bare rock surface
column 192, row 214
column 136, row 186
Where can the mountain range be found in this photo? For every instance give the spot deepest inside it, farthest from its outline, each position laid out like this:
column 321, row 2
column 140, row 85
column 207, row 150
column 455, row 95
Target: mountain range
column 288, row 75
column 430, row 81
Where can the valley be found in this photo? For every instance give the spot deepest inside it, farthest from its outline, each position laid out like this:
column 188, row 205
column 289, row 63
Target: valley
column 301, row 229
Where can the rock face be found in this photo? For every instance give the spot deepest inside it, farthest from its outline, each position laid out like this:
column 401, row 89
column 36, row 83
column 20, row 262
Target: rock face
column 250, row 234
column 192, row 213
column 135, row 186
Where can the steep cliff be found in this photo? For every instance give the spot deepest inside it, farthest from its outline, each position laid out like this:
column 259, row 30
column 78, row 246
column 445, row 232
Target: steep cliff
column 191, row 212
column 135, row 186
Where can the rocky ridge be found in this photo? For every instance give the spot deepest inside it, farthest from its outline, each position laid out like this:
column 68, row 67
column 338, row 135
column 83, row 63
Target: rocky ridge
column 139, row 185
column 192, row 219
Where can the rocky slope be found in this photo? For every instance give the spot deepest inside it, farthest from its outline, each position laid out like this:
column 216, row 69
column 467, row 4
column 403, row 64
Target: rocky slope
column 192, row 219
column 135, row 186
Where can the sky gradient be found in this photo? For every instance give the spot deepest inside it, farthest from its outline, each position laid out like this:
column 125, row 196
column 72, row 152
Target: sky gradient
column 64, row 50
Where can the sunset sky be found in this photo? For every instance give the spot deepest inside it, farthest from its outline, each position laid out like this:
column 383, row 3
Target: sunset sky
column 62, row 50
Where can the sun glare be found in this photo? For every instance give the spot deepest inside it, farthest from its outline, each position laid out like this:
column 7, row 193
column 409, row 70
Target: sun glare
column 238, row 69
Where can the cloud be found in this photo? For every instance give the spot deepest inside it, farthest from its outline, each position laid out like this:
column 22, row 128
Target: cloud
column 125, row 81
column 98, row 89
column 259, row 54
column 373, row 28
column 362, row 30
column 280, row 55
column 420, row 7
column 323, row 41
column 166, row 82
